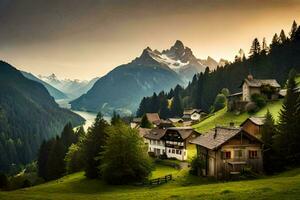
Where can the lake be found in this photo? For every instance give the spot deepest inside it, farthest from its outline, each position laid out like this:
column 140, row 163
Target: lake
column 88, row 116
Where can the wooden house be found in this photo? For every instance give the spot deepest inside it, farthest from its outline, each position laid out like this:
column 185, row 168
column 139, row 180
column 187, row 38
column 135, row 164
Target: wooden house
column 253, row 125
column 192, row 114
column 226, row 151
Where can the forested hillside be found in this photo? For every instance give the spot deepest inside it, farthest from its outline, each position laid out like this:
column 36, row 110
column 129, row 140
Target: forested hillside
column 28, row 115
column 265, row 61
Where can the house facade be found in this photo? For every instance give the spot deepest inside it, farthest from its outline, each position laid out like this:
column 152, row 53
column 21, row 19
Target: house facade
column 226, row 151
column 192, row 114
column 171, row 142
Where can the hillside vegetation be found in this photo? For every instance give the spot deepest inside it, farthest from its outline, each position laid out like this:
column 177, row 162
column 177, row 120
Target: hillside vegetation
column 222, row 117
column 76, row 186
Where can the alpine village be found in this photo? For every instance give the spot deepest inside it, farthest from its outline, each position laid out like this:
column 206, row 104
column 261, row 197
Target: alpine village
column 228, row 131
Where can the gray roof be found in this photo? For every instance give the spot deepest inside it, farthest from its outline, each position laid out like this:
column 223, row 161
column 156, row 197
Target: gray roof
column 218, row 136
column 184, row 132
column 256, row 120
column 155, row 134
column 261, row 82
column 175, row 120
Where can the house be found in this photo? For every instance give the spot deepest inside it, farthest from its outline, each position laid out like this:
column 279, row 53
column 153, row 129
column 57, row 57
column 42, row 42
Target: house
column 226, row 151
column 253, row 125
column 175, row 120
column 153, row 117
column 268, row 87
column 192, row 114
column 135, row 123
column 171, row 142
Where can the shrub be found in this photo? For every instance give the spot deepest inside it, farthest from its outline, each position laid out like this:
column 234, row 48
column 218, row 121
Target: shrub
column 196, row 165
column 259, row 100
column 251, row 107
column 3, row 181
column 74, row 159
column 220, row 102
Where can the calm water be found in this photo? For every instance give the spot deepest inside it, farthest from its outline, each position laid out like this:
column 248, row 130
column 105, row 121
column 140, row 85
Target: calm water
column 88, row 116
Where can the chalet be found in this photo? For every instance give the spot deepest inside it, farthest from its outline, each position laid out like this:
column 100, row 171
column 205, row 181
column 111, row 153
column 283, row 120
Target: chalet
column 226, row 151
column 253, row 125
column 268, row 87
column 135, row 123
column 192, row 114
column 171, row 142
column 153, row 118
column 175, row 120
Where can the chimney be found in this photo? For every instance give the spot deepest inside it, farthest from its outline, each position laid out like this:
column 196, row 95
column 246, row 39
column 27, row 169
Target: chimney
column 250, row 77
column 231, row 124
column 216, row 132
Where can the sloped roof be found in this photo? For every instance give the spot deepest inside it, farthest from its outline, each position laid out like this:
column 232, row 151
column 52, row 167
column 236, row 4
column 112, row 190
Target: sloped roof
column 152, row 117
column 259, row 121
column 144, row 131
column 218, row 136
column 155, row 134
column 261, row 82
column 191, row 111
column 235, row 94
column 184, row 132
column 137, row 120
column 175, row 120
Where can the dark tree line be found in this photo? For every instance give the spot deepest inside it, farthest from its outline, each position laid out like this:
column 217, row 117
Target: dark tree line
column 274, row 61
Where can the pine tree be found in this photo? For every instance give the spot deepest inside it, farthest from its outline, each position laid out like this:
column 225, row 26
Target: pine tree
column 275, row 41
column 115, row 118
column 176, row 106
column 268, row 132
column 287, row 142
column 265, row 48
column 145, row 122
column 92, row 146
column 255, row 48
column 68, row 136
column 282, row 37
column 293, row 30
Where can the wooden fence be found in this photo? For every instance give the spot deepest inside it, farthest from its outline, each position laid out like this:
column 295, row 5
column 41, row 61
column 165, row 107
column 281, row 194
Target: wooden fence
column 161, row 180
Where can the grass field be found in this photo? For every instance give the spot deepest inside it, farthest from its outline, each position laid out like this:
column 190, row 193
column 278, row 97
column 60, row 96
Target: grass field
column 76, row 186
column 222, row 117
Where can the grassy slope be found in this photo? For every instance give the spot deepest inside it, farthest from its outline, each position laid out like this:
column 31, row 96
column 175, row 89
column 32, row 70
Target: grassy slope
column 75, row 186
column 223, row 117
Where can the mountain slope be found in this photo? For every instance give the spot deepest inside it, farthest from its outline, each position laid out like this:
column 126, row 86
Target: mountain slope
column 28, row 115
column 122, row 88
column 57, row 94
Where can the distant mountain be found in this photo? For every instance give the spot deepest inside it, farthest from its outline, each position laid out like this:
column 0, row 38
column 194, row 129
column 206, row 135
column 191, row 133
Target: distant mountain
column 73, row 88
column 212, row 63
column 57, row 94
column 28, row 115
column 122, row 88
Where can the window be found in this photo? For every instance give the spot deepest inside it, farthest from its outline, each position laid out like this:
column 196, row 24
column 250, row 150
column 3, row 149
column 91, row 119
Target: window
column 178, row 151
column 226, row 155
column 173, row 150
column 169, row 150
column 238, row 153
column 252, row 154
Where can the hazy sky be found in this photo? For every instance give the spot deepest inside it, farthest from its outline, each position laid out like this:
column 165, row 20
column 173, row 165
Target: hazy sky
column 87, row 38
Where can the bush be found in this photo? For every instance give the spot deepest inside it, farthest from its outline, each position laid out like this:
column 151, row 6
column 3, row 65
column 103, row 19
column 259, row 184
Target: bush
column 251, row 107
column 196, row 165
column 3, row 181
column 259, row 100
column 220, row 102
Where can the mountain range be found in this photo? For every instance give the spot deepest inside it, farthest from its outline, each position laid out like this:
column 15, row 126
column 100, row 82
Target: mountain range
column 72, row 88
column 28, row 115
column 153, row 71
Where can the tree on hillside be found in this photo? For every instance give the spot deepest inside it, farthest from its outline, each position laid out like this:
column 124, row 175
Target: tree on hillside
column 268, row 132
column 293, row 30
column 255, row 48
column 43, row 157
column 265, row 48
column 176, row 106
column 220, row 102
column 282, row 37
column 3, row 181
column 55, row 163
column 145, row 122
column 74, row 159
column 287, row 142
column 80, row 133
column 68, row 136
column 115, row 118
column 125, row 159
column 93, row 145
column 275, row 41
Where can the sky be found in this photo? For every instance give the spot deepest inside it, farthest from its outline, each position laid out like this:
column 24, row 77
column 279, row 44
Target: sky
column 82, row 39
